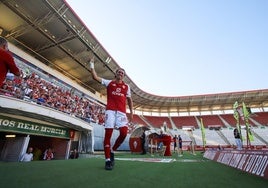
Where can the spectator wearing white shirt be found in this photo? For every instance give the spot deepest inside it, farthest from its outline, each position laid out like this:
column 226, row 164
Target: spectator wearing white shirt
column 28, row 156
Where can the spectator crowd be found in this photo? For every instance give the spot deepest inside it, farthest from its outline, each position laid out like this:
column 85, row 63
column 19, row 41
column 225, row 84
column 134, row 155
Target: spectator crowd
column 31, row 87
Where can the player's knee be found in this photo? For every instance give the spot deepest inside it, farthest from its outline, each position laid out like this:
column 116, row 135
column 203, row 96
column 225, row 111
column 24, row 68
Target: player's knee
column 123, row 131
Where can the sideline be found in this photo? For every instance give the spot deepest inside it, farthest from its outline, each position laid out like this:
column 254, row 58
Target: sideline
column 155, row 160
column 161, row 160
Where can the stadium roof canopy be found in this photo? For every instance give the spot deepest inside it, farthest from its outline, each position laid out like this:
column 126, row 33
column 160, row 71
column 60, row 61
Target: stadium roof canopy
column 52, row 32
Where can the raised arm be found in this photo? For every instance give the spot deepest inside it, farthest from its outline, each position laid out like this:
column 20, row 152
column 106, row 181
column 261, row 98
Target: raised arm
column 93, row 72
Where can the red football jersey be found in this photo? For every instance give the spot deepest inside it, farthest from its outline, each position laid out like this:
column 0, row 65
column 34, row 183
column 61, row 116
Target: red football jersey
column 116, row 95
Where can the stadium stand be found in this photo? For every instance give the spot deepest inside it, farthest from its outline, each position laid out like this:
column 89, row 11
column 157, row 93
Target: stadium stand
column 211, row 121
column 212, row 138
column 229, row 118
column 138, row 120
column 158, row 121
column 261, row 118
column 181, row 121
column 32, row 87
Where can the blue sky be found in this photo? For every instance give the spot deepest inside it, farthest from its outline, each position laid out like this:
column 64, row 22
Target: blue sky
column 183, row 47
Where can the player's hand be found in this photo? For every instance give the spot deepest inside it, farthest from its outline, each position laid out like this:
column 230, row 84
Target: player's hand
column 131, row 127
column 130, row 118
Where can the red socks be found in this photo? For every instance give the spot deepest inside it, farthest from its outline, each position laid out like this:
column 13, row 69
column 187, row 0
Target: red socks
column 121, row 137
column 107, row 140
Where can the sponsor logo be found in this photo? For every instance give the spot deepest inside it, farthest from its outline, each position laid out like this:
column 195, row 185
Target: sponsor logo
column 117, row 92
column 253, row 162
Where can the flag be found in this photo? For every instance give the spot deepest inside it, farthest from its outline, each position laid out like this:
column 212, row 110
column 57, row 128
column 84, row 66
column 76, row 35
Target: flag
column 236, row 116
column 245, row 111
column 203, row 133
column 246, row 118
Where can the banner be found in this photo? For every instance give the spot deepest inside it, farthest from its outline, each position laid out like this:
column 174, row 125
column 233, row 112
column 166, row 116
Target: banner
column 246, row 118
column 10, row 124
column 250, row 161
column 237, row 117
column 203, row 133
